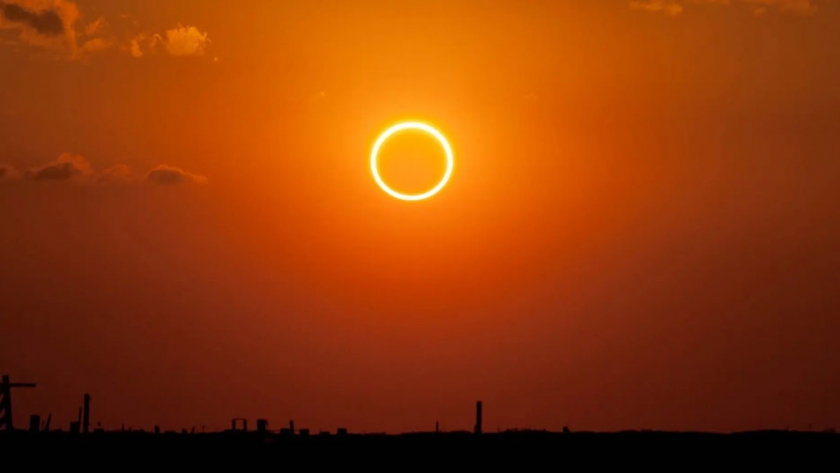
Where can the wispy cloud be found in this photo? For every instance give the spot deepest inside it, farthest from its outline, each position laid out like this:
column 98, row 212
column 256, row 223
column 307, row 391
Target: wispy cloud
column 667, row 7
column 758, row 7
column 169, row 175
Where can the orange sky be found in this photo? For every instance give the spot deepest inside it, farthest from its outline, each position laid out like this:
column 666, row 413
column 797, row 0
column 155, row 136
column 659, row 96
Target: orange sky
column 641, row 230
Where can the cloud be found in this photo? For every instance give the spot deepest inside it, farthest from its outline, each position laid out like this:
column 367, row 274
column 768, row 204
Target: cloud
column 185, row 41
column 759, row 7
column 74, row 168
column 167, row 175
column 802, row 7
column 58, row 25
column 64, row 168
column 179, row 41
column 134, row 46
column 45, row 23
column 95, row 27
column 670, row 8
column 94, row 45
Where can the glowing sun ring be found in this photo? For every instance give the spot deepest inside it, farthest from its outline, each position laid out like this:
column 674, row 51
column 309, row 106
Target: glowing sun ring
column 450, row 161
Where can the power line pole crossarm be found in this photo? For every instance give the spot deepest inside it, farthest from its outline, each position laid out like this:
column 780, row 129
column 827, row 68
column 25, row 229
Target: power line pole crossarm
column 6, row 422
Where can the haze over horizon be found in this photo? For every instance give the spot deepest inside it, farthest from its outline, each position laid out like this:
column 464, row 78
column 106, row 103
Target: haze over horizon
column 641, row 230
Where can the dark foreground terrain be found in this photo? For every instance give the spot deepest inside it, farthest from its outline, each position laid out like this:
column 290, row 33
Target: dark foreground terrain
column 523, row 450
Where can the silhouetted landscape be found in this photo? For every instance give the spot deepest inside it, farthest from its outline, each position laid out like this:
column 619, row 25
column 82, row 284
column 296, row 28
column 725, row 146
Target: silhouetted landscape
column 298, row 443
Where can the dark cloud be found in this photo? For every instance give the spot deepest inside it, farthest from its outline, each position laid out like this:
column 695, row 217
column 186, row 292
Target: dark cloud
column 47, row 23
column 169, row 176
column 54, row 172
column 64, row 168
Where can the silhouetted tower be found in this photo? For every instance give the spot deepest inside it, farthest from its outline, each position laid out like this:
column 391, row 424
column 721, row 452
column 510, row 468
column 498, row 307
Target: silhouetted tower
column 6, row 401
column 86, row 419
column 262, row 426
column 478, row 418
column 292, row 427
column 34, row 423
column 75, row 426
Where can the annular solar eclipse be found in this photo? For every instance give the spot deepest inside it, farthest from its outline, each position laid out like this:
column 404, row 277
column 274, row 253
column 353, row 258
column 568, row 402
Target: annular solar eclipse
column 411, row 126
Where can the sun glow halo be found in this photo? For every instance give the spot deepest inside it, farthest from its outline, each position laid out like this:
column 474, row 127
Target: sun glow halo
column 450, row 160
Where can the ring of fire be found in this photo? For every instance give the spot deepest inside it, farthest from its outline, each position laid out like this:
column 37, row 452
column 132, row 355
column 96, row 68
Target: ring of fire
column 450, row 160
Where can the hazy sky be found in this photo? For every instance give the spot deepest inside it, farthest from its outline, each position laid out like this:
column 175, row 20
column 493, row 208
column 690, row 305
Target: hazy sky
column 640, row 232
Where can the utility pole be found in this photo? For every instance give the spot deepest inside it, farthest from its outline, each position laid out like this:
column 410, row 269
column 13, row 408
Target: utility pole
column 86, row 420
column 478, row 418
column 6, row 386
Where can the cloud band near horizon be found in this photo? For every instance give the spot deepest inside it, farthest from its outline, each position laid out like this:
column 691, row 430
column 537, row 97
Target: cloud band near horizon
column 74, row 168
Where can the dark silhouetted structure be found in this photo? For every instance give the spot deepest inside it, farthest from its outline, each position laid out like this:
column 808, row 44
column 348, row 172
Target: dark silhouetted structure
column 292, row 427
column 262, row 426
column 478, row 418
column 6, row 422
column 34, row 423
column 236, row 420
column 86, row 420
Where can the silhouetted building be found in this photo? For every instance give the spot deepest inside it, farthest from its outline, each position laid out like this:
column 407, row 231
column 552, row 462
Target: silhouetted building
column 478, row 418
column 236, row 420
column 157, row 429
column 292, row 427
column 34, row 423
column 341, row 431
column 304, row 432
column 86, row 421
column 262, row 426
